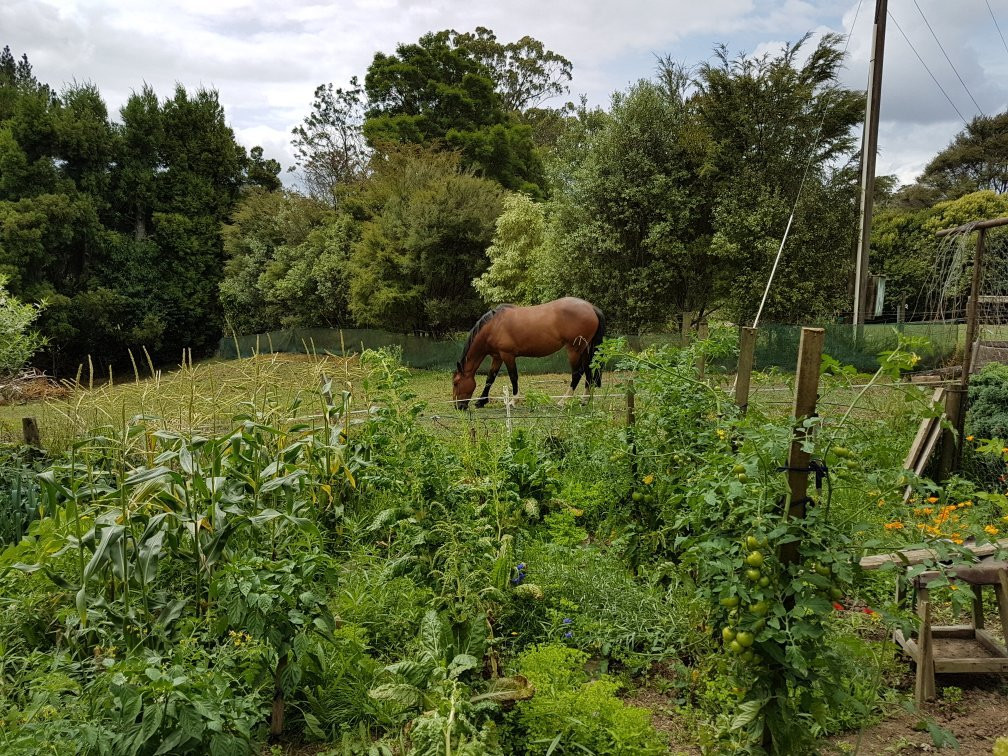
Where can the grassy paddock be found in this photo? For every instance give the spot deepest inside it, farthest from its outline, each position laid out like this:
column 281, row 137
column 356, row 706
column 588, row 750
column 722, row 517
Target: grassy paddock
column 208, row 395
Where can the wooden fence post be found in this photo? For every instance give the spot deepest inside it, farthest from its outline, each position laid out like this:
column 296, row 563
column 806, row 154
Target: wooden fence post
column 631, row 421
column 30, row 431
column 701, row 362
column 806, row 393
column 743, row 374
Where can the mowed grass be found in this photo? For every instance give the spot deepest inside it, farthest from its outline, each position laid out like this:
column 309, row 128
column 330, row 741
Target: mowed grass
column 207, row 396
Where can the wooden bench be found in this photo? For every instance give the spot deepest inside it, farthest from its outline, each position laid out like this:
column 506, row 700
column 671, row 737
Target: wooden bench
column 985, row 571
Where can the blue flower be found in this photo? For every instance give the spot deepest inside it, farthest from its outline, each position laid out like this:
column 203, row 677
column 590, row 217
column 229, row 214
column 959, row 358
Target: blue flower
column 567, row 620
column 521, row 567
column 568, row 634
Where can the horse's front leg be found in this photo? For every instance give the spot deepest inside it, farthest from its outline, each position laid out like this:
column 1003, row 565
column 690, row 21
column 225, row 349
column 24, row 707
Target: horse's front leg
column 491, row 377
column 512, row 368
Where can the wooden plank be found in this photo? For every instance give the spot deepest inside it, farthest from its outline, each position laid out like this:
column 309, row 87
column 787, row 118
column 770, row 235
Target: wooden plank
column 910, row 557
column 991, row 643
column 978, row 615
column 1001, row 593
column 962, row 632
column 967, row 227
column 984, row 665
column 910, row 463
column 907, row 644
column 924, row 683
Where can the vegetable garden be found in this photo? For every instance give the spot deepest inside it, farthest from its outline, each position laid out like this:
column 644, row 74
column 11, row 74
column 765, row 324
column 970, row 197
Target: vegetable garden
column 339, row 563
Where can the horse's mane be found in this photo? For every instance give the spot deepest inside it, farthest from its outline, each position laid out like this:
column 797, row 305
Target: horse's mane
column 485, row 318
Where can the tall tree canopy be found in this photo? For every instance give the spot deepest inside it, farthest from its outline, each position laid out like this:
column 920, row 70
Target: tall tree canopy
column 329, row 145
column 441, row 91
column 977, row 159
column 767, row 118
column 117, row 225
column 429, row 222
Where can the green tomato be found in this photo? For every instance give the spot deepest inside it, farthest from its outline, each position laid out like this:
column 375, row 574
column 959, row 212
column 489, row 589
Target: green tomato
column 637, row 496
column 758, row 625
column 835, row 593
column 823, row 570
column 764, row 582
column 748, row 657
column 729, row 602
column 738, row 469
column 753, row 574
column 728, row 634
column 755, row 559
column 744, row 639
column 736, row 647
column 842, row 452
column 760, row 607
column 743, row 478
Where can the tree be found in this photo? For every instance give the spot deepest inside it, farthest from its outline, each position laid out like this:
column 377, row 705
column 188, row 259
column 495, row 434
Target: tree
column 766, row 119
column 262, row 172
column 436, row 92
column 625, row 222
column 287, row 258
column 429, row 224
column 977, row 159
column 329, row 146
column 519, row 270
column 525, row 73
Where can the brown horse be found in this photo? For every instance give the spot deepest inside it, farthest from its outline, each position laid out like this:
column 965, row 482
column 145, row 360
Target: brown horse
column 508, row 331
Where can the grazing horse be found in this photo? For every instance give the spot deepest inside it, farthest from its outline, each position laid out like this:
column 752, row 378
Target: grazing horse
column 508, row 331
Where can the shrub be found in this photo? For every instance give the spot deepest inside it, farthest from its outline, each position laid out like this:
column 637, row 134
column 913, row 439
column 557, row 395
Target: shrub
column 17, row 342
column 570, row 714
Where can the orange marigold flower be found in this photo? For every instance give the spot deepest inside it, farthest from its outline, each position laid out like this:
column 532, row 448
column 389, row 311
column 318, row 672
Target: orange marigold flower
column 933, row 499
column 928, row 510
column 895, row 525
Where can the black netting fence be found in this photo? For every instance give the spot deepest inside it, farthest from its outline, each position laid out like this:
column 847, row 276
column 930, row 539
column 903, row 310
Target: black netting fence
column 776, row 345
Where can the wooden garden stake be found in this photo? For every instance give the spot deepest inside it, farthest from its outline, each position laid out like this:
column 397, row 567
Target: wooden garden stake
column 806, row 392
column 743, row 374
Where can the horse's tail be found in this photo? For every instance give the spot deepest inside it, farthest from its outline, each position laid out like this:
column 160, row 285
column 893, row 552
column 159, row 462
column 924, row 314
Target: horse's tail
column 595, row 374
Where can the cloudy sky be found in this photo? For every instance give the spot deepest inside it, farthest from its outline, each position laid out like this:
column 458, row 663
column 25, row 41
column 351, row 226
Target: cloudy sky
column 265, row 57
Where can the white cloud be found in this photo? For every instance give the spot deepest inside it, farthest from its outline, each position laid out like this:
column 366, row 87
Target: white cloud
column 266, row 58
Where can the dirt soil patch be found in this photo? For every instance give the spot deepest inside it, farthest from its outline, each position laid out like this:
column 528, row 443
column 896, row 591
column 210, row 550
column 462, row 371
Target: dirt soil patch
column 976, row 717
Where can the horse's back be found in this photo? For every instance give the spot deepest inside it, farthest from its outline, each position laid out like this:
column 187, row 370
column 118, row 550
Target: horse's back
column 541, row 330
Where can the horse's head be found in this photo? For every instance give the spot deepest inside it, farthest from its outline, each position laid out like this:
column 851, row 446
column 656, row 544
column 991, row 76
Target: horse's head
column 463, row 387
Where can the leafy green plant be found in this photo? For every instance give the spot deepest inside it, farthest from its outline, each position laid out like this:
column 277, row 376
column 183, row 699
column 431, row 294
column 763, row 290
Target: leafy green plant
column 570, row 714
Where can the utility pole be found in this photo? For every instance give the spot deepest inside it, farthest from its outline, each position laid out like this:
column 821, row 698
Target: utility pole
column 869, row 148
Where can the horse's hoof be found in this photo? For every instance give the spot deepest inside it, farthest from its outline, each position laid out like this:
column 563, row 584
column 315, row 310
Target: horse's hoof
column 480, row 403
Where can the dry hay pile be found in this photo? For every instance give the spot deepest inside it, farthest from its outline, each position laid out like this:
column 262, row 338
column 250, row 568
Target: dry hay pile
column 29, row 386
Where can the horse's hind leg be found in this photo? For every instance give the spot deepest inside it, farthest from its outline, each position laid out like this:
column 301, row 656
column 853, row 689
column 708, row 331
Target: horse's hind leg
column 577, row 370
column 491, row 377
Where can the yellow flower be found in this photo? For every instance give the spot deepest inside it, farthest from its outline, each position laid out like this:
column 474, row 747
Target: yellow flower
column 648, row 480
column 723, row 434
column 895, row 525
column 969, row 438
column 932, row 499
column 991, row 530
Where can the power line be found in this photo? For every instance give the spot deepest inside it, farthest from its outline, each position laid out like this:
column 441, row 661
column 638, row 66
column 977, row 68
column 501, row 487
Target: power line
column 942, row 48
column 997, row 27
column 937, row 83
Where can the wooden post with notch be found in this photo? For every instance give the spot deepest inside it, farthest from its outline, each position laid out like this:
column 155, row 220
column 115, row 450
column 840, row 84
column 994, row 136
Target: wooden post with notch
column 806, row 393
column 743, row 374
